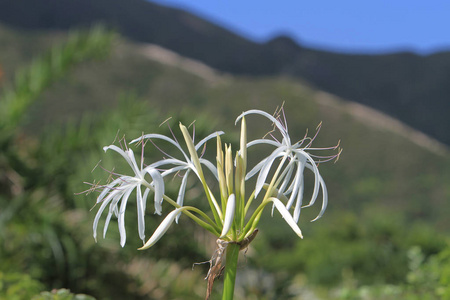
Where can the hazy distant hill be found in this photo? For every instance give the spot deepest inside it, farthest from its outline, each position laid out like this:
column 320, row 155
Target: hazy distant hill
column 412, row 88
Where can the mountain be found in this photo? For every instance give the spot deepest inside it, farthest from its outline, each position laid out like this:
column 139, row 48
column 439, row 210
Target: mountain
column 415, row 89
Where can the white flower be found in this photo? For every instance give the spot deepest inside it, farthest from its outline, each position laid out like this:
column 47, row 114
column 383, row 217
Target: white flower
column 120, row 190
column 292, row 182
column 284, row 184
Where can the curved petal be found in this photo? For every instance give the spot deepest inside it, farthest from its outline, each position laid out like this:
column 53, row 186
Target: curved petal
column 211, row 136
column 286, row 216
column 181, row 192
column 162, row 228
column 287, row 175
column 121, row 221
column 255, row 169
column 144, row 199
column 266, row 169
column 126, row 155
column 112, row 209
column 229, row 215
column 210, row 166
column 264, row 141
column 140, row 213
column 324, row 197
column 297, row 185
column 169, row 161
column 134, row 166
column 161, row 137
column 99, row 213
column 105, row 227
column 270, row 117
column 174, row 170
column 298, row 203
column 110, row 187
column 312, row 166
column 159, row 189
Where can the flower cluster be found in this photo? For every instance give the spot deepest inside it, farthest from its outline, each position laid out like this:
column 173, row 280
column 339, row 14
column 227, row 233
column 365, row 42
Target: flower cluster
column 279, row 181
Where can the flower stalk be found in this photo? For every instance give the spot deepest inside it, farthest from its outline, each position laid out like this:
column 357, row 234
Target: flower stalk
column 232, row 256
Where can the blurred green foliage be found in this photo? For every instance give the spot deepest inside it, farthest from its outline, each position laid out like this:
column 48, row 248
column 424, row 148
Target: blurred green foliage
column 347, row 255
column 30, row 82
column 427, row 278
column 18, row 286
column 61, row 294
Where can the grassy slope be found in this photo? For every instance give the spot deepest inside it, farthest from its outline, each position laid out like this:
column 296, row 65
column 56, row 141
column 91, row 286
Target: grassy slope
column 377, row 168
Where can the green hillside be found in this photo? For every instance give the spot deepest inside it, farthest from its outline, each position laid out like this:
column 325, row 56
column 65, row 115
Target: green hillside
column 384, row 186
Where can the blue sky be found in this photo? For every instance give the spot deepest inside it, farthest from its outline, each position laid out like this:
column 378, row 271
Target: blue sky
column 356, row 26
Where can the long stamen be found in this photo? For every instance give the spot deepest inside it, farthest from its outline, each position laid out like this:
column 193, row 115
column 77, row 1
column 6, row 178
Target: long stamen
column 203, row 151
column 276, row 140
column 327, row 148
column 315, row 135
column 160, row 150
column 284, row 116
column 173, row 135
column 165, row 121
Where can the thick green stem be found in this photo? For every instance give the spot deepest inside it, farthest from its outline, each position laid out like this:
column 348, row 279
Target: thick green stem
column 230, row 271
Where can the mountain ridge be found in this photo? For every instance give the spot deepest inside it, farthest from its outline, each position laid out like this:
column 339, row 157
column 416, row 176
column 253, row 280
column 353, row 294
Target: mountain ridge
column 406, row 86
column 359, row 111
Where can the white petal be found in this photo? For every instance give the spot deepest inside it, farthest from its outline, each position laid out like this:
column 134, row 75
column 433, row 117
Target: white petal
column 324, row 197
column 162, row 228
column 158, row 182
column 133, row 162
column 161, row 137
column 109, row 187
column 287, row 177
column 286, row 216
column 270, row 117
column 123, row 205
column 312, row 166
column 140, row 213
column 180, row 197
column 125, row 155
column 294, row 188
column 298, row 204
column 174, row 170
column 169, row 161
column 181, row 192
column 264, row 141
column 255, row 169
column 105, row 227
column 266, row 169
column 229, row 215
column 116, row 195
column 144, row 199
column 211, row 136
column 210, row 166
column 98, row 215
column 112, row 208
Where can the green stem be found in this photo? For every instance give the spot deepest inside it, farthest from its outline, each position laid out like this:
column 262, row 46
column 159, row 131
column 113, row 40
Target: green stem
column 230, row 271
